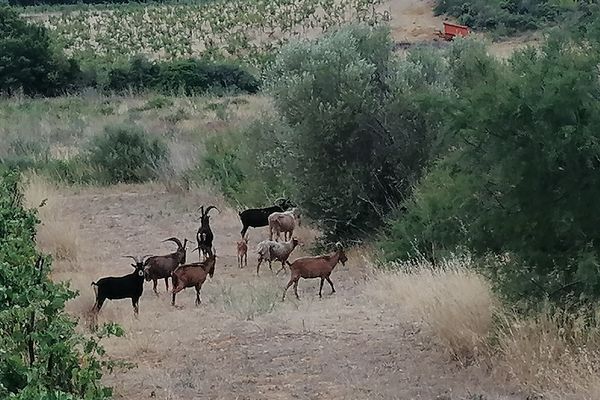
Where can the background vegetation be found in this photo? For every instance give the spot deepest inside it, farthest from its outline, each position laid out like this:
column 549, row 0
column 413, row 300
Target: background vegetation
column 441, row 153
column 511, row 16
column 42, row 355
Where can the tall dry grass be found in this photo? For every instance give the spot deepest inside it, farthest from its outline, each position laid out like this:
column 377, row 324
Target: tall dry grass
column 456, row 303
column 58, row 233
column 554, row 353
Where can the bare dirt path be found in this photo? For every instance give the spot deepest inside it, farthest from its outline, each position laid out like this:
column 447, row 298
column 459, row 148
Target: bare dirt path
column 242, row 342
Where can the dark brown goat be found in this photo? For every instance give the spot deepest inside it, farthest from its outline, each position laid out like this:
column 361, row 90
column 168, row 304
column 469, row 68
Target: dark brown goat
column 193, row 275
column 160, row 267
column 315, row 267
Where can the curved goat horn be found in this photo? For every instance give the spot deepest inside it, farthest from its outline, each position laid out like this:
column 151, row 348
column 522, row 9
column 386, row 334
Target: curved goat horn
column 210, row 208
column 201, row 209
column 134, row 258
column 174, row 240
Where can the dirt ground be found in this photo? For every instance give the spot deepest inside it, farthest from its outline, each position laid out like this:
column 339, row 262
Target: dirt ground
column 413, row 21
column 243, row 342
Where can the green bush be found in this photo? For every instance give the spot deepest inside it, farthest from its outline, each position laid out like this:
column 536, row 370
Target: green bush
column 42, row 356
column 190, row 76
column 126, row 154
column 522, row 177
column 360, row 127
column 27, row 61
column 250, row 166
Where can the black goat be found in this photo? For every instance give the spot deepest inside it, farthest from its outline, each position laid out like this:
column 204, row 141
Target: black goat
column 123, row 287
column 160, row 267
column 205, row 236
column 257, row 217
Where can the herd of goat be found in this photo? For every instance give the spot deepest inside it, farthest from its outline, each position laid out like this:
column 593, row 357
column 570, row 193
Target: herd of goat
column 282, row 218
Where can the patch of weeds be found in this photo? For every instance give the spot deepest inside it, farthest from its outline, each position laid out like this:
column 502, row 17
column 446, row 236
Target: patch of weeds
column 179, row 115
column 248, row 300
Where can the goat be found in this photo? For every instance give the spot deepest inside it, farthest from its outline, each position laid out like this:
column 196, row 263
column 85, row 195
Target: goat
column 205, row 236
column 258, row 217
column 269, row 250
column 160, row 267
column 192, row 275
column 282, row 222
column 128, row 286
column 242, row 252
column 315, row 267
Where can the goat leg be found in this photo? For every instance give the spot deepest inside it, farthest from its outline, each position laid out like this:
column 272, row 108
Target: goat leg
column 258, row 266
column 290, row 283
column 136, row 308
column 154, row 283
column 98, row 305
column 282, row 268
column 296, row 288
column 198, row 287
column 330, row 284
column 167, row 283
column 321, row 287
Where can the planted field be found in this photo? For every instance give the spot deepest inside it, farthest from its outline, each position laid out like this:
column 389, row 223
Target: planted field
column 240, row 28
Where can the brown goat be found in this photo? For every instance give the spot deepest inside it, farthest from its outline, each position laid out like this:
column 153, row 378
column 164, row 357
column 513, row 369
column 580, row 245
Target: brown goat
column 315, row 267
column 192, row 275
column 242, row 252
column 160, row 267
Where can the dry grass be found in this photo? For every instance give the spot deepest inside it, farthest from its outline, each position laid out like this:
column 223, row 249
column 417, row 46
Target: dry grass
column 453, row 301
column 58, row 233
column 553, row 353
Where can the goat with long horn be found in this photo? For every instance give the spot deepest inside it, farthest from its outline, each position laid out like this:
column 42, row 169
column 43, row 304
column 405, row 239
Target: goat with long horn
column 205, row 236
column 160, row 267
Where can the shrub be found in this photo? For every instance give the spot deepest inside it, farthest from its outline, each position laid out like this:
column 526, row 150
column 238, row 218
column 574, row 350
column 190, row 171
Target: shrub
column 251, row 166
column 360, row 130
column 28, row 63
column 126, row 154
column 190, row 76
column 522, row 176
column 41, row 351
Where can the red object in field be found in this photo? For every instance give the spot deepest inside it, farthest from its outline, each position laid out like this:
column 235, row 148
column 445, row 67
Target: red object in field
column 452, row 30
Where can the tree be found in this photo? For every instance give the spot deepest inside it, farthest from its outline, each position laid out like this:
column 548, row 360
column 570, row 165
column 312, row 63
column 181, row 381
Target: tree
column 359, row 133
column 27, row 61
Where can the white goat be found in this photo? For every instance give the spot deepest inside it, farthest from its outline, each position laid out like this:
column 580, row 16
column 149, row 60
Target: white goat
column 269, row 250
column 283, row 222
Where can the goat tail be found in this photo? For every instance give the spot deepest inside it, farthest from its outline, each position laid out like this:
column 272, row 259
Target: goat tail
column 95, row 286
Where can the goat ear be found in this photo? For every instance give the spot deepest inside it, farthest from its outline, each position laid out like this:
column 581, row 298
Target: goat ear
column 134, row 266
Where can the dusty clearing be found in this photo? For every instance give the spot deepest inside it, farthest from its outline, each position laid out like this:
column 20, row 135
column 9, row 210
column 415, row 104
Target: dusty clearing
column 242, row 342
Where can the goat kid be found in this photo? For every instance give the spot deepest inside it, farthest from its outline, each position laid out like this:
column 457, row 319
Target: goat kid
column 160, row 267
column 315, row 267
column 128, row 286
column 205, row 236
column 242, row 252
column 193, row 275
column 258, row 217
